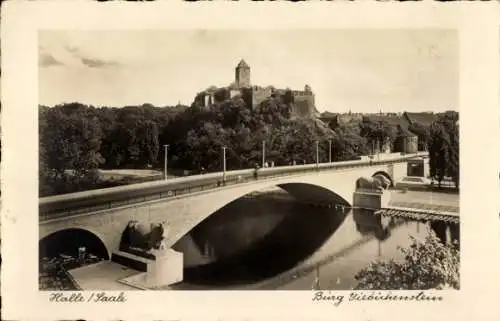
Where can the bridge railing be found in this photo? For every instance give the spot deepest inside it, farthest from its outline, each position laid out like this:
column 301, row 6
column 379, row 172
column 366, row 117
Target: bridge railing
column 94, row 200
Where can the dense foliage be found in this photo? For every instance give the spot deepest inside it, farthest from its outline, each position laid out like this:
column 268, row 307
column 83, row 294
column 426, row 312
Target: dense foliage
column 76, row 139
column 444, row 148
column 427, row 264
column 377, row 132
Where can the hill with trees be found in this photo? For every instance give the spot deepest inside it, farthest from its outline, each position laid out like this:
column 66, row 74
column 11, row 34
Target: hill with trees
column 76, row 140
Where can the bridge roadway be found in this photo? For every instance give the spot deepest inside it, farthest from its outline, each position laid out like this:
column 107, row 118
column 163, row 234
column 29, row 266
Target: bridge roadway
column 185, row 202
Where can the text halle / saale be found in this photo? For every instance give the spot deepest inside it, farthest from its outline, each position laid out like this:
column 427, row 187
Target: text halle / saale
column 92, row 297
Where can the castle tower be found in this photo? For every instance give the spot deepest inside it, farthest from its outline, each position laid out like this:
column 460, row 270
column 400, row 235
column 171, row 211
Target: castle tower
column 242, row 72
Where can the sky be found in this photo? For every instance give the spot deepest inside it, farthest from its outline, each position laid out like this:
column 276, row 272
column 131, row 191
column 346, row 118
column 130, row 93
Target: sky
column 358, row 70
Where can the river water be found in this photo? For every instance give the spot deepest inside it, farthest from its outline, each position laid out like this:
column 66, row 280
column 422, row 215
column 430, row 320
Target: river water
column 270, row 241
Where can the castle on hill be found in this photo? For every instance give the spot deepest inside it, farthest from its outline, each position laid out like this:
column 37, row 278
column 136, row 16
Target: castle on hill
column 301, row 101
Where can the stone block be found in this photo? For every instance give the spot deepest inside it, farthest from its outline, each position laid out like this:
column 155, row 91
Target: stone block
column 371, row 199
column 165, row 269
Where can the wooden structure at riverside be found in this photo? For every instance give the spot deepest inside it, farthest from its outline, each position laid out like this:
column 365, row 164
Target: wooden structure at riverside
column 420, row 214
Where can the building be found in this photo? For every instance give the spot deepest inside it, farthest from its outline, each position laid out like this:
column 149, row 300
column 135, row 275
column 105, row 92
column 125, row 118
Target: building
column 335, row 120
column 406, row 141
column 301, row 101
column 242, row 75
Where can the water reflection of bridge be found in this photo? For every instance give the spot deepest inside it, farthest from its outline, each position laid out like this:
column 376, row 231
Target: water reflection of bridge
column 375, row 229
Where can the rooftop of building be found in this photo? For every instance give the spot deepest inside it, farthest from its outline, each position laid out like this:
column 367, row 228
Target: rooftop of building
column 423, row 118
column 395, row 120
column 242, row 64
column 328, row 115
column 404, row 131
column 391, row 119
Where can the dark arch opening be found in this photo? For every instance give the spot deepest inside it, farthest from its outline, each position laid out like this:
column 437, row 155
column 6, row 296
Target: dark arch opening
column 68, row 242
column 255, row 238
column 386, row 175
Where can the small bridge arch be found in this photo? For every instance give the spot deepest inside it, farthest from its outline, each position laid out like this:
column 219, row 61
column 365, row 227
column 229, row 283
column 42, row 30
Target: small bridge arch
column 386, row 175
column 68, row 240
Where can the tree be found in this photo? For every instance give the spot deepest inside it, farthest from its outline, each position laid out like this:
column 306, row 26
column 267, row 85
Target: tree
column 71, row 141
column 427, row 264
column 454, row 166
column 148, row 142
column 349, row 144
column 70, row 138
column 444, row 148
column 204, row 147
column 450, row 123
column 438, row 152
column 377, row 132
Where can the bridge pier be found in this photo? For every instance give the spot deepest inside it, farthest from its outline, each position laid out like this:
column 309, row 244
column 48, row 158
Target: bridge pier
column 161, row 268
column 370, row 199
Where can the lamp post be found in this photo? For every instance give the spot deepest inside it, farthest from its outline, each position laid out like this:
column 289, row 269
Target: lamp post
column 223, row 164
column 317, row 154
column 329, row 151
column 166, row 159
column 316, row 284
column 263, row 153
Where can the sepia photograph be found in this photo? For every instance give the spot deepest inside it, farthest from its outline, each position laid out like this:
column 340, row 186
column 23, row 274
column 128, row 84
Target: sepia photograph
column 199, row 159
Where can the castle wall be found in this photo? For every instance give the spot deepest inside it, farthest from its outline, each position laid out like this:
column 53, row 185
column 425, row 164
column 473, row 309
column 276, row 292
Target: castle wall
column 247, row 96
column 304, row 105
column 205, row 99
column 300, row 93
column 259, row 95
column 200, row 100
column 234, row 92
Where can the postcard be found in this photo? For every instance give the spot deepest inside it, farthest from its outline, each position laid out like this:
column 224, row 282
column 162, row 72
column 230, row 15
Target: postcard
column 219, row 161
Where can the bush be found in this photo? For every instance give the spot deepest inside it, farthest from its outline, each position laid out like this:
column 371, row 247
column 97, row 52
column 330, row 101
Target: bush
column 427, row 264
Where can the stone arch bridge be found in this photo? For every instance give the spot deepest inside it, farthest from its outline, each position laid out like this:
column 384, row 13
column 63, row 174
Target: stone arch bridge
column 105, row 213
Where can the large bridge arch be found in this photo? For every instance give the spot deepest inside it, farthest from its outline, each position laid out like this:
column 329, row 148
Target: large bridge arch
column 304, row 191
column 68, row 240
